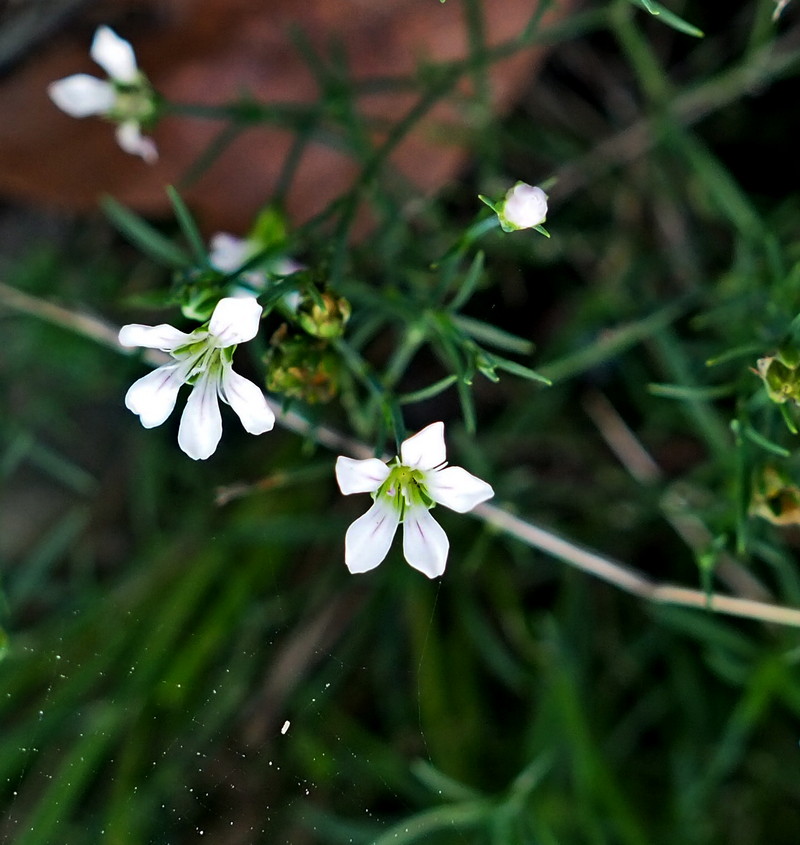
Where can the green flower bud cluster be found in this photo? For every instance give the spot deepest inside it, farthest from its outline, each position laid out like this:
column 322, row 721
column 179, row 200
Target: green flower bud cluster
column 300, row 367
column 301, row 362
column 324, row 316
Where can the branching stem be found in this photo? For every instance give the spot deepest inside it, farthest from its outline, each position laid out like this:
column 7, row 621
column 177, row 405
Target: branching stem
column 606, row 569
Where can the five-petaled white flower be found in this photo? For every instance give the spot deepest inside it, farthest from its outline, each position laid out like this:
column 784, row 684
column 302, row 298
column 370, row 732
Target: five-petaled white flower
column 404, row 491
column 203, row 359
column 524, row 207
column 125, row 98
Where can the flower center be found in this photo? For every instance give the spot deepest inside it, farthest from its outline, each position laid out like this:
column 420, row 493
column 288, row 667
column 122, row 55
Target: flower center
column 405, row 488
column 202, row 358
column 134, row 101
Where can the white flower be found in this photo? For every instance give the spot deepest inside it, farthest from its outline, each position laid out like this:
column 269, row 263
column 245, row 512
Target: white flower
column 228, row 253
column 404, row 491
column 203, row 359
column 523, row 207
column 125, row 98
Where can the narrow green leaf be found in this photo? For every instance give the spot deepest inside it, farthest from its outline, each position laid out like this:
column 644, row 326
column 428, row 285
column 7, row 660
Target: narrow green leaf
column 427, row 392
column 467, row 405
column 492, row 336
column 787, row 418
column 396, row 420
column 51, row 547
column 469, row 284
column 451, row 817
column 188, row 226
column 141, row 234
column 681, row 391
column 755, row 437
column 486, row 364
column 745, row 351
column 441, row 784
column 66, row 787
column 722, row 186
column 531, row 776
column 669, row 18
column 741, row 488
column 612, row 342
column 276, row 291
column 520, row 370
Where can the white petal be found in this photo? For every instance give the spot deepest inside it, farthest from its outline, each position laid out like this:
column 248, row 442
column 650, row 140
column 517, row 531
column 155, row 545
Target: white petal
column 82, row 95
column 228, row 253
column 153, row 396
column 285, row 266
column 291, row 301
column 114, row 54
column 130, row 138
column 163, row 336
column 368, row 539
column 252, row 283
column 364, row 476
column 425, row 545
column 425, row 450
column 201, row 424
column 235, row 320
column 457, row 489
column 247, row 400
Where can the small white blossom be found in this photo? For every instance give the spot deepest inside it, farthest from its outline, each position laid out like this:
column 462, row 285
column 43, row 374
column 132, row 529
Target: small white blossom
column 228, row 253
column 404, row 491
column 524, row 207
column 203, row 359
column 125, row 97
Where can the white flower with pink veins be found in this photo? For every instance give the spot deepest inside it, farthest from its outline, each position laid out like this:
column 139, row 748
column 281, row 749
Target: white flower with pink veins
column 203, row 359
column 404, row 491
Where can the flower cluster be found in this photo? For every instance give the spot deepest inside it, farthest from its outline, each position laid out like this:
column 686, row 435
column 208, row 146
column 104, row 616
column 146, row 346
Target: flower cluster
column 403, row 491
column 125, row 98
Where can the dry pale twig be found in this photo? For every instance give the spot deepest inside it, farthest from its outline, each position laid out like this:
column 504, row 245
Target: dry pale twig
column 640, row 464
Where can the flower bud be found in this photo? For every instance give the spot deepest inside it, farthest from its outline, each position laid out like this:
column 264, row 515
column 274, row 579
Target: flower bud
column 325, row 316
column 302, row 368
column 775, row 497
column 524, row 207
column 197, row 291
column 781, row 381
